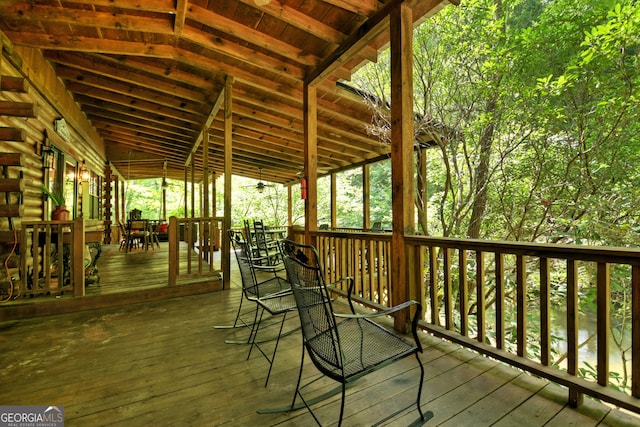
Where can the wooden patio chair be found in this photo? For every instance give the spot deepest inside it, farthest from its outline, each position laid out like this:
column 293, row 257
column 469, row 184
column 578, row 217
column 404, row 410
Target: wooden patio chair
column 154, row 239
column 343, row 347
column 138, row 234
column 272, row 295
column 123, row 236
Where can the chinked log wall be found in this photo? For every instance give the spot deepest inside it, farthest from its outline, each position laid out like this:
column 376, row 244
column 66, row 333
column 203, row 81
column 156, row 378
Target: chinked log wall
column 31, row 99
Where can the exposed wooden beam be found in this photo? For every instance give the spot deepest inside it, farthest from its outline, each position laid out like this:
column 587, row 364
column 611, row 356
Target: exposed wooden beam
column 254, row 37
column 160, row 6
column 360, row 7
column 181, row 13
column 298, row 19
column 368, row 31
column 207, row 124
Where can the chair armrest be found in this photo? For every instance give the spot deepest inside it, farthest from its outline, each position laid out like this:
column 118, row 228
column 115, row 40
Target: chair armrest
column 351, row 286
column 279, row 294
column 380, row 313
column 402, row 306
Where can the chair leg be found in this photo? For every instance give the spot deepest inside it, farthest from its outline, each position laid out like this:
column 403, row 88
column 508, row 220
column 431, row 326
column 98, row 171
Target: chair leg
column 342, row 404
column 254, row 331
column 295, row 394
column 255, row 343
column 422, row 417
column 275, row 349
column 238, row 319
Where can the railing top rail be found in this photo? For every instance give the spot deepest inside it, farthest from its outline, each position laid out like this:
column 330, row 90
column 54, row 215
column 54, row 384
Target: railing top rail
column 31, row 223
column 199, row 218
column 362, row 235
column 610, row 254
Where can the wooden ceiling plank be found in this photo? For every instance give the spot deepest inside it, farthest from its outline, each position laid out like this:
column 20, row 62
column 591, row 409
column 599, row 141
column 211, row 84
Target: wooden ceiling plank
column 300, row 20
column 30, row 12
column 95, row 66
column 132, row 91
column 243, row 53
column 360, row 7
column 120, row 104
column 109, row 117
column 90, row 44
column 144, row 131
column 160, row 6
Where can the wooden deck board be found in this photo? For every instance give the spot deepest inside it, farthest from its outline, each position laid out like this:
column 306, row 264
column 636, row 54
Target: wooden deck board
column 164, row 363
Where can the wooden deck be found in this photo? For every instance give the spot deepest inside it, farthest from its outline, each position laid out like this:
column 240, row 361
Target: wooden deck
column 125, row 278
column 163, row 363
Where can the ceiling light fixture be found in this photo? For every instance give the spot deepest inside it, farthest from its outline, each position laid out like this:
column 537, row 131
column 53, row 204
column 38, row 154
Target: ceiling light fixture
column 262, row 2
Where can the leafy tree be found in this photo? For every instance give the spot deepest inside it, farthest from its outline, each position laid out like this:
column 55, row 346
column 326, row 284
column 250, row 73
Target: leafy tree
column 534, row 107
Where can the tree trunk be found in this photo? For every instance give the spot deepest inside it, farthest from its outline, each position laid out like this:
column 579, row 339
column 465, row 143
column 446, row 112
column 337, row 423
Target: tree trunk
column 481, row 176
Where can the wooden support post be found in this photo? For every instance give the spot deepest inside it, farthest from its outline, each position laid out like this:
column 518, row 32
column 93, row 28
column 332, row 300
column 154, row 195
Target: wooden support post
column 366, row 197
column 193, row 188
column 186, row 192
column 310, row 160
column 334, row 201
column 635, row 331
column 228, row 130
column 174, row 241
column 402, row 138
column 78, row 257
column 205, row 173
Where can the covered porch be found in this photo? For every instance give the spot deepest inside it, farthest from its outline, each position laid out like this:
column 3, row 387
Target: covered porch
column 278, row 110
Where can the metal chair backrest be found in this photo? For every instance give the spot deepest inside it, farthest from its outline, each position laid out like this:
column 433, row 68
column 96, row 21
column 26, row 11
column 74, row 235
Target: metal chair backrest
column 247, row 232
column 250, row 284
column 260, row 236
column 320, row 334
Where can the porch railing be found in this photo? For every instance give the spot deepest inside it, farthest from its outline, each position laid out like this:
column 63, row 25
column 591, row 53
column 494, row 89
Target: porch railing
column 49, row 252
column 202, row 237
column 498, row 298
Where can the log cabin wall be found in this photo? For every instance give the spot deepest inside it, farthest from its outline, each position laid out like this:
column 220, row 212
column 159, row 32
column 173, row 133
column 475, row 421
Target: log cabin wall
column 32, row 98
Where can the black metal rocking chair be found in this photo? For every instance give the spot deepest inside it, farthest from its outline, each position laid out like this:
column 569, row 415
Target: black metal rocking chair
column 342, row 347
column 272, row 295
column 255, row 288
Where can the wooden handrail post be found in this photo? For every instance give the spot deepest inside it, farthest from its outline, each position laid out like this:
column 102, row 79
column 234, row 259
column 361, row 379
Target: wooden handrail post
column 173, row 250
column 77, row 252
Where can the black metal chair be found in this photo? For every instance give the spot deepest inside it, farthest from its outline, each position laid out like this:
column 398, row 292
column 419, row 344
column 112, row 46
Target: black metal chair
column 252, row 287
column 343, row 347
column 272, row 295
column 267, row 248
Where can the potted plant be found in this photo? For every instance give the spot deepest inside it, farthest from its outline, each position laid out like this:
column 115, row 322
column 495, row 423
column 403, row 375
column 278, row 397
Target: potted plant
column 60, row 211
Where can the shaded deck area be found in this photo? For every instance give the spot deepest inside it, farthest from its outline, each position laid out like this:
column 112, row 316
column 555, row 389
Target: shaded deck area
column 164, row 363
column 125, row 278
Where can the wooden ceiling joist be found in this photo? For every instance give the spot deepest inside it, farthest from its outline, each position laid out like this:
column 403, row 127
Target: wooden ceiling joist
column 150, row 76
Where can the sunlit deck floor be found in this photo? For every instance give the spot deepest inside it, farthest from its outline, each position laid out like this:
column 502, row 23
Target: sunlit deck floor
column 123, row 274
column 163, row 363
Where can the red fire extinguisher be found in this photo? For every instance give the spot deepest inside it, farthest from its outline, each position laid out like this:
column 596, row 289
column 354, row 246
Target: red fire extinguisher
column 303, row 188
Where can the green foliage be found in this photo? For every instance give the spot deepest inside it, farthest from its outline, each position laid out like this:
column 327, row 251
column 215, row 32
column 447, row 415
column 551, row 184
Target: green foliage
column 535, row 103
column 56, row 195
